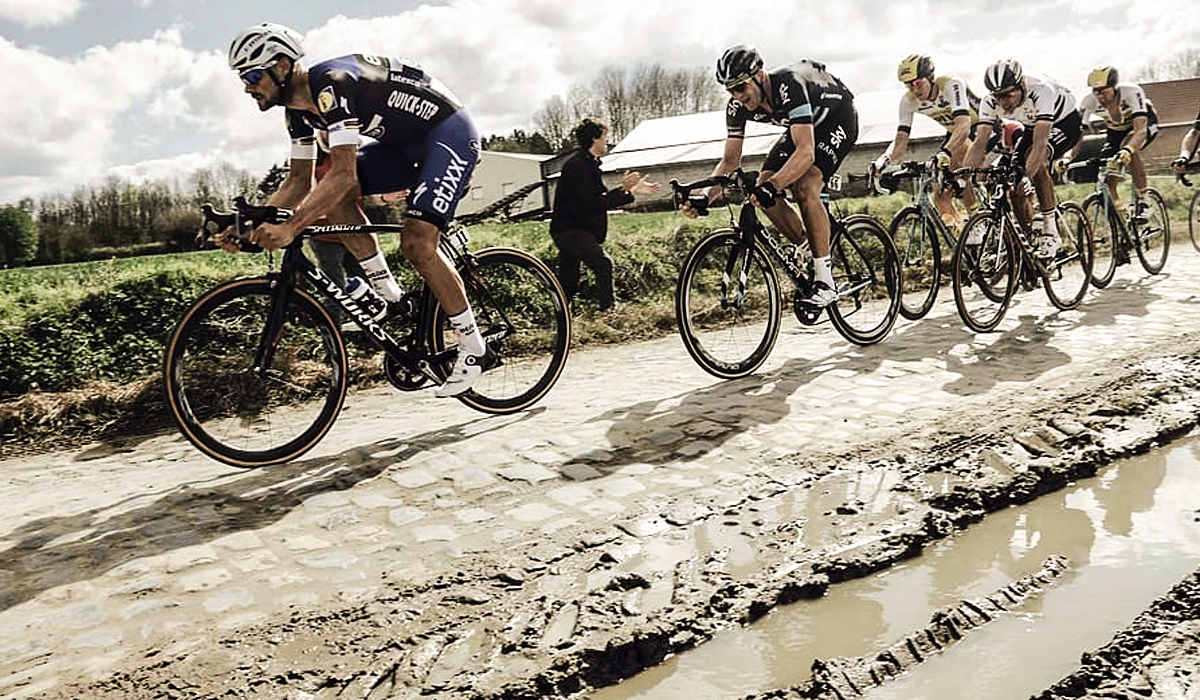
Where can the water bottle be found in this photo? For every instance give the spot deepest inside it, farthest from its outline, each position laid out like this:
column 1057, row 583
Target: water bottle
column 367, row 298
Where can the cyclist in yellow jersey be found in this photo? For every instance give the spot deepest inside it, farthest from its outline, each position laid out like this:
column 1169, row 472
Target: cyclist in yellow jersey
column 949, row 102
column 1129, row 119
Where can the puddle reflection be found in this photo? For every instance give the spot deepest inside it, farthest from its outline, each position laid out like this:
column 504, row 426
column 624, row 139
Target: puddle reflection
column 1130, row 534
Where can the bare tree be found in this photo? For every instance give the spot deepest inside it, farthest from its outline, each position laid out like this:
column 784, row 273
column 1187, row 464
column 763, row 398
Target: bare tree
column 1185, row 64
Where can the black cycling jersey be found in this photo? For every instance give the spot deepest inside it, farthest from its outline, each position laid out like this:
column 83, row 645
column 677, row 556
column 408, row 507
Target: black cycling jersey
column 801, row 93
column 382, row 98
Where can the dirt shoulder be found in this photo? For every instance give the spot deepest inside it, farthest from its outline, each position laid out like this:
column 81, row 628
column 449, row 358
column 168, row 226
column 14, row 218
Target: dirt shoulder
column 581, row 608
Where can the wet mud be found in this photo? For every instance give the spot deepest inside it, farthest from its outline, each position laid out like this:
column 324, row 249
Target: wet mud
column 585, row 608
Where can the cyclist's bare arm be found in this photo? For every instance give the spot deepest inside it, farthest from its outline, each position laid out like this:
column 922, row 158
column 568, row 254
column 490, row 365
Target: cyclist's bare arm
column 898, row 147
column 959, row 135
column 1039, row 151
column 731, row 159
column 1137, row 135
column 983, row 134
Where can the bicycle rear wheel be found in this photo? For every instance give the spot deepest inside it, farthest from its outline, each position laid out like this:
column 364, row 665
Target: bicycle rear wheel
column 523, row 315
column 1194, row 220
column 1066, row 277
column 866, row 275
column 230, row 411
column 1106, row 229
column 984, row 275
column 920, row 261
column 1152, row 239
column 727, row 305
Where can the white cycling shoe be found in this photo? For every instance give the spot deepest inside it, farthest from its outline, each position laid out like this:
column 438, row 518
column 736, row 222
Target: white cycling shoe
column 465, row 373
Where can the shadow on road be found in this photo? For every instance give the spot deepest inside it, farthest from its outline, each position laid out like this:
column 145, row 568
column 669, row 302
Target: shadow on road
column 60, row 550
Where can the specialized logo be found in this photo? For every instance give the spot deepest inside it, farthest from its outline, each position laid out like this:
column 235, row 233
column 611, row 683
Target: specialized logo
column 326, row 99
column 413, row 104
column 364, row 319
column 446, row 192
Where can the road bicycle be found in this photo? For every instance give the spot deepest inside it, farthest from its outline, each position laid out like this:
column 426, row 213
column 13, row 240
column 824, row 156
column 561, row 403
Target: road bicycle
column 256, row 371
column 1144, row 227
column 728, row 303
column 994, row 254
column 1193, row 209
column 919, row 233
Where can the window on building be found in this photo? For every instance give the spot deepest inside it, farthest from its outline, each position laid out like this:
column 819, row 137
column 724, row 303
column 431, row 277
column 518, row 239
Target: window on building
column 476, row 193
column 507, row 189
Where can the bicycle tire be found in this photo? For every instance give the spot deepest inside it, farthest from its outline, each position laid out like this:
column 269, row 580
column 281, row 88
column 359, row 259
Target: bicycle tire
column 1152, row 239
column 1106, row 231
column 867, row 277
column 1067, row 276
column 1194, row 220
column 984, row 275
column 727, row 336
column 521, row 311
column 231, row 412
column 920, row 256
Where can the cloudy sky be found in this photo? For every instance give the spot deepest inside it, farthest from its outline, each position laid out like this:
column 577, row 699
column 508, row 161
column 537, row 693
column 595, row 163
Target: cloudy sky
column 139, row 88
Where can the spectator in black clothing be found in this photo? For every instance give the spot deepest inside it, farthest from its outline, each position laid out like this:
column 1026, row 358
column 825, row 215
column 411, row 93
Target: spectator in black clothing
column 579, row 223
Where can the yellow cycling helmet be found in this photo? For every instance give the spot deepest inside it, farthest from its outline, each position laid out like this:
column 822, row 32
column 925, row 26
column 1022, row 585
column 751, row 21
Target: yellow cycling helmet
column 917, row 65
column 1104, row 76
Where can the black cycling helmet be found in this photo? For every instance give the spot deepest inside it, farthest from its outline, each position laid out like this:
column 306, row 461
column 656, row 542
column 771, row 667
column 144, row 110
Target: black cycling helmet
column 917, row 65
column 1104, row 76
column 738, row 65
column 1003, row 75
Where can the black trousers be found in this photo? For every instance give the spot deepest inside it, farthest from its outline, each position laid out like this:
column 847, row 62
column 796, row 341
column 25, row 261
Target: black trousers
column 578, row 247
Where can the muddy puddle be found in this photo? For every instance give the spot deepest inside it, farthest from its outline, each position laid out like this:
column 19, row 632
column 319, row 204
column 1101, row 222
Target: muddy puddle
column 1129, row 533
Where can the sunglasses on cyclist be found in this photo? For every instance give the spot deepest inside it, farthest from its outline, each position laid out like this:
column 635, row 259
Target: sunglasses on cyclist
column 1002, row 94
column 254, row 76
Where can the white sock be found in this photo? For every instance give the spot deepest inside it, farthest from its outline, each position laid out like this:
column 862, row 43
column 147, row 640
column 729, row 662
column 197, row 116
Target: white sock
column 469, row 338
column 1050, row 223
column 381, row 278
column 823, row 270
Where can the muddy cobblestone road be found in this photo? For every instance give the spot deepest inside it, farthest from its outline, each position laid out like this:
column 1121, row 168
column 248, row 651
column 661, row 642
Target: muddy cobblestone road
column 426, row 550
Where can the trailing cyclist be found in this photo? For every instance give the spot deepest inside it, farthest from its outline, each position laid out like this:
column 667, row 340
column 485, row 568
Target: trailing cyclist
column 949, row 102
column 822, row 125
column 1187, row 147
column 422, row 141
column 1130, row 123
column 1052, row 127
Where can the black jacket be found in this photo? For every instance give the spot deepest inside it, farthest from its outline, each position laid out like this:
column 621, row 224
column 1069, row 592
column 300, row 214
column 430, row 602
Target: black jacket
column 581, row 201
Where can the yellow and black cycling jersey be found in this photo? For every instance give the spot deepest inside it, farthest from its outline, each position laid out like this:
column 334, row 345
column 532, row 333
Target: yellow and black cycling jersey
column 1131, row 103
column 949, row 99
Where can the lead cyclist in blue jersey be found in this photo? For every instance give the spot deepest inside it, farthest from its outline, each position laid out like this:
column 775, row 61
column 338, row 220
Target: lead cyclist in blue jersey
column 421, row 140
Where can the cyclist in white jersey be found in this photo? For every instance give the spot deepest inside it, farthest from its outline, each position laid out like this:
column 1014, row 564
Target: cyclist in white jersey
column 1129, row 119
column 949, row 102
column 1187, row 147
column 1052, row 127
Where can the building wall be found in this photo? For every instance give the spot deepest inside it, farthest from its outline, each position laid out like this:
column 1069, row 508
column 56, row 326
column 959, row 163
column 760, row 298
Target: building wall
column 499, row 174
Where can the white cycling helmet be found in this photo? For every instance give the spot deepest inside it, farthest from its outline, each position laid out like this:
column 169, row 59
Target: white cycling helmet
column 259, row 46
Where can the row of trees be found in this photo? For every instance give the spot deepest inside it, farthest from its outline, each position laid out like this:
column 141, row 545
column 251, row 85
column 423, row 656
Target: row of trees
column 120, row 217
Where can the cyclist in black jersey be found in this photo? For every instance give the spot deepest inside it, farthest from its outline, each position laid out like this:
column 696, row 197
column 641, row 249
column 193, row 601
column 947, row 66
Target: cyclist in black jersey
column 421, row 140
column 822, row 126
column 1187, row 147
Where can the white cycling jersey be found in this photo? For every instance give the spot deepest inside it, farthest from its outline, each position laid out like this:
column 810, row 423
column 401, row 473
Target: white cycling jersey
column 1045, row 100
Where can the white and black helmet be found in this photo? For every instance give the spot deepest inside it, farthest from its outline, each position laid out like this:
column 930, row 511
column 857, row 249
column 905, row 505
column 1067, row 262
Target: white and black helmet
column 1003, row 75
column 738, row 65
column 261, row 45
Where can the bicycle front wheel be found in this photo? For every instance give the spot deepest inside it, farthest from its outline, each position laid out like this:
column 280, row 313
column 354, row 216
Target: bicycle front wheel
column 984, row 273
column 727, row 305
column 920, row 261
column 240, row 415
column 1066, row 277
column 1152, row 239
column 522, row 313
column 1105, row 231
column 1194, row 220
column 866, row 274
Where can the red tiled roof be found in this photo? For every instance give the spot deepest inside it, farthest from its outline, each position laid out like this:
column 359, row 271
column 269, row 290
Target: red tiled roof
column 1175, row 101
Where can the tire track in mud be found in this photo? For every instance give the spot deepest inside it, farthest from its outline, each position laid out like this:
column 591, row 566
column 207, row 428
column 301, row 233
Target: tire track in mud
column 553, row 618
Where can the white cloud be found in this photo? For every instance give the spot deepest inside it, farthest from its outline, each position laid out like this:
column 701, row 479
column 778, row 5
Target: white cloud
column 32, row 13
column 153, row 105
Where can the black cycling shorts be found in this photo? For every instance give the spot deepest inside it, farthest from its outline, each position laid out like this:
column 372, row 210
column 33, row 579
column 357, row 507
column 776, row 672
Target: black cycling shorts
column 834, row 137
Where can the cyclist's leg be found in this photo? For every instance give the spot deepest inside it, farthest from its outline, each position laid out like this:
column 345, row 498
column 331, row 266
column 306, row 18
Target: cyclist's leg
column 1137, row 166
column 833, row 139
column 782, row 215
column 1112, row 143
